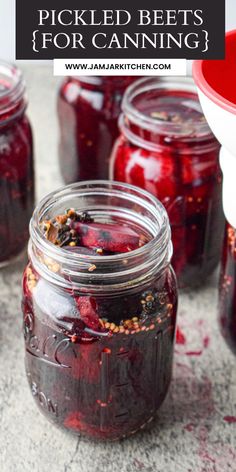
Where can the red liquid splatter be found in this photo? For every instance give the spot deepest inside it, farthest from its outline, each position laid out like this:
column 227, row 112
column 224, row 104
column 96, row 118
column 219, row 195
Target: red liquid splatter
column 206, row 342
column 194, row 353
column 180, row 337
column 230, row 419
column 189, row 427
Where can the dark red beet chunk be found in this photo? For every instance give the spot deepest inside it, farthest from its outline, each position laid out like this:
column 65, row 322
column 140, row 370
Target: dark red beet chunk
column 109, row 237
column 87, row 308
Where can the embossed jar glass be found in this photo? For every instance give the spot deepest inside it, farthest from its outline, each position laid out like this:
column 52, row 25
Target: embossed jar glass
column 105, row 379
column 16, row 165
column 167, row 148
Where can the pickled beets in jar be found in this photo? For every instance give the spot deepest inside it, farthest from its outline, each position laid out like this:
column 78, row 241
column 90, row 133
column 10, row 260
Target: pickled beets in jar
column 167, row 148
column 88, row 110
column 16, row 165
column 99, row 305
column 227, row 293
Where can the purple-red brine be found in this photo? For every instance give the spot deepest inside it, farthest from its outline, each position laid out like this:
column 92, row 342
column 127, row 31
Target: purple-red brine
column 88, row 111
column 227, row 300
column 99, row 305
column 167, row 148
column 16, row 165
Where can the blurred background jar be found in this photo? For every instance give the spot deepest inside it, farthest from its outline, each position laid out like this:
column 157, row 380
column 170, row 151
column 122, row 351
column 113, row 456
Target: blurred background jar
column 167, row 148
column 227, row 299
column 16, row 165
column 88, row 110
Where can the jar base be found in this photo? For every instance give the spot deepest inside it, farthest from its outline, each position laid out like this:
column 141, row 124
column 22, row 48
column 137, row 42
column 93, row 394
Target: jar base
column 147, row 425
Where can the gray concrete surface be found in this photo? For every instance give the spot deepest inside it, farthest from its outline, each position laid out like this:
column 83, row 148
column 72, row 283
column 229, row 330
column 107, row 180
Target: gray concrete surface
column 195, row 429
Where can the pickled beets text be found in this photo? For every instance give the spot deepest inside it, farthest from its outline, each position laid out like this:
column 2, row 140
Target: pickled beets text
column 120, row 39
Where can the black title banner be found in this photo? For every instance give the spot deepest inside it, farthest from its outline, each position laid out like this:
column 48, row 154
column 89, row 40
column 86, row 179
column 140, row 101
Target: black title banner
column 166, row 29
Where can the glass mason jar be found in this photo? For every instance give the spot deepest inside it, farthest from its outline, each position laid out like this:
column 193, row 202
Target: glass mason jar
column 167, row 148
column 16, row 165
column 88, row 110
column 99, row 343
column 227, row 299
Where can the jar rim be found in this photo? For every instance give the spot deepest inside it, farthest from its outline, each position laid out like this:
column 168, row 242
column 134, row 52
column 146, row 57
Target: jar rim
column 143, row 143
column 154, row 124
column 159, row 246
column 11, row 98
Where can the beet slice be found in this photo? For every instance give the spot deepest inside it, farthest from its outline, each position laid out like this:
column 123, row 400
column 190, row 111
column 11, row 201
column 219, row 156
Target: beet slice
column 109, row 237
column 87, row 307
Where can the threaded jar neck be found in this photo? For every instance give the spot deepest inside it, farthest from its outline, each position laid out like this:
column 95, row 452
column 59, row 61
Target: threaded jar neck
column 105, row 202
column 148, row 113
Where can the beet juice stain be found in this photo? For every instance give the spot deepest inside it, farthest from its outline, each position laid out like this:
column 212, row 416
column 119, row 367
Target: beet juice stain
column 16, row 165
column 102, row 360
column 167, row 148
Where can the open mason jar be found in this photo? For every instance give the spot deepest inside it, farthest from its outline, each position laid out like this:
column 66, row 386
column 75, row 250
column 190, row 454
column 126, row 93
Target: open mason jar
column 16, row 165
column 167, row 148
column 99, row 329
column 88, row 111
